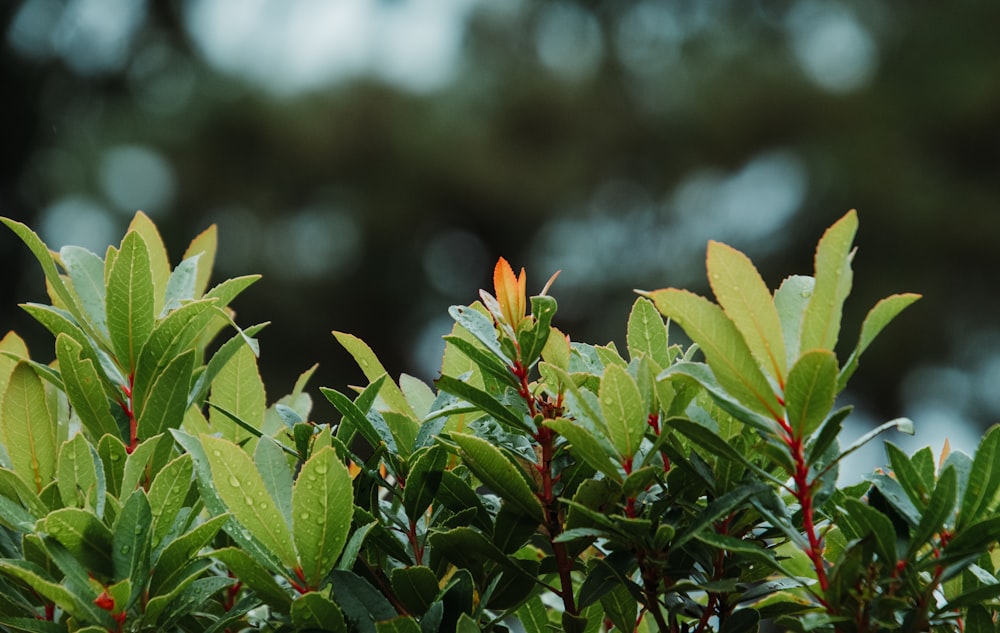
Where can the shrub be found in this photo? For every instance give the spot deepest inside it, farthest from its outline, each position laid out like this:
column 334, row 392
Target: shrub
column 540, row 484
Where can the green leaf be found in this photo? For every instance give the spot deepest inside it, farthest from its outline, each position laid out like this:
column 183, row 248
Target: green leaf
column 138, row 465
column 80, row 607
column 821, row 322
column 130, row 301
column 790, row 301
column 484, row 401
column 373, row 369
column 204, row 244
column 424, row 479
column 28, row 430
column 586, row 447
column 811, row 389
column 534, row 616
column 488, row 363
column 718, row 508
column 647, row 333
column 180, row 285
column 84, row 389
column 221, row 358
column 255, row 576
column 621, row 407
column 402, row 624
column 238, row 388
column 416, row 587
column 878, row 317
column 130, row 543
column 86, row 273
column 240, row 487
column 744, row 297
column 322, row 508
column 375, row 431
column 532, row 338
column 83, row 534
column 166, row 403
column 722, row 344
column 873, row 522
column 620, row 607
column 167, row 494
column 113, row 456
column 174, row 559
column 77, row 475
column 159, row 263
column 315, row 612
column 983, row 487
column 481, row 327
column 497, row 473
column 17, row 489
column 938, row 510
column 272, row 463
column 178, row 331
column 361, row 603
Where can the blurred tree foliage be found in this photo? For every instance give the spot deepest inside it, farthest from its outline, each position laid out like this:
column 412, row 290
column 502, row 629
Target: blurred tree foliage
column 561, row 116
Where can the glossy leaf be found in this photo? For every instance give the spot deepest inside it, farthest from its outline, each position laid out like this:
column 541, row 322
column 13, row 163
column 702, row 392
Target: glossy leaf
column 586, row 447
column 481, row 327
column 725, row 350
column 204, row 245
column 423, row 481
column 939, row 510
column 86, row 272
column 484, row 401
column 80, row 607
column 321, row 513
column 873, row 522
column 983, row 488
column 241, row 488
column 180, row 285
column 821, row 322
column 315, row 612
column 130, row 302
column 416, row 587
column 159, row 263
column 84, row 535
column 180, row 552
column 130, row 553
column 497, row 473
column 167, row 400
column 373, row 369
column 621, row 407
column 361, row 603
column 744, row 297
column 620, row 607
column 255, row 576
column 167, row 494
column 402, row 624
column 811, row 389
column 83, row 388
column 238, row 388
column 647, row 333
column 272, row 463
column 77, row 475
column 790, row 301
column 532, row 338
column 28, row 429
column 138, row 465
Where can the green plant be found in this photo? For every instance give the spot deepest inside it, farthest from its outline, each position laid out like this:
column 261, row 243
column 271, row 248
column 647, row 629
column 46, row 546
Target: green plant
column 540, row 484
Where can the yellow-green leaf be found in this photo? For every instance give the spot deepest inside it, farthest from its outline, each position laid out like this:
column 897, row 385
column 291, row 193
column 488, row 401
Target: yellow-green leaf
column 238, row 388
column 130, row 300
column 242, row 490
column 744, row 297
column 724, row 348
column 322, row 507
column 28, row 428
column 821, row 323
column 78, row 479
column 205, row 243
column 159, row 262
column 373, row 370
column 84, row 388
column 811, row 388
column 878, row 317
column 647, row 333
column 621, row 406
column 498, row 474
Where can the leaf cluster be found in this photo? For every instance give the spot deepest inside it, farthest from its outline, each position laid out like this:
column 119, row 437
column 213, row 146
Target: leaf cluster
column 539, row 484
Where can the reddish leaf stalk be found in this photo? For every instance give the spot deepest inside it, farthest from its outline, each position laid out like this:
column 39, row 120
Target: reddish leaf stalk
column 127, row 407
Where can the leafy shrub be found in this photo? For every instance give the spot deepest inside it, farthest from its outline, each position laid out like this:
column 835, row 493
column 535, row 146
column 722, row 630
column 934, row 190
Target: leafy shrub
column 540, row 484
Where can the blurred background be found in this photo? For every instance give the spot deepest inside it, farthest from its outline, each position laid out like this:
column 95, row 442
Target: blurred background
column 373, row 158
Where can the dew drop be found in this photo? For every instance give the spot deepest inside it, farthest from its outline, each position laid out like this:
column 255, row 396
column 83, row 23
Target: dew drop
column 321, row 469
column 263, row 506
column 217, row 453
column 125, row 549
column 115, row 457
column 234, row 481
column 248, row 500
column 305, row 516
column 139, row 530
